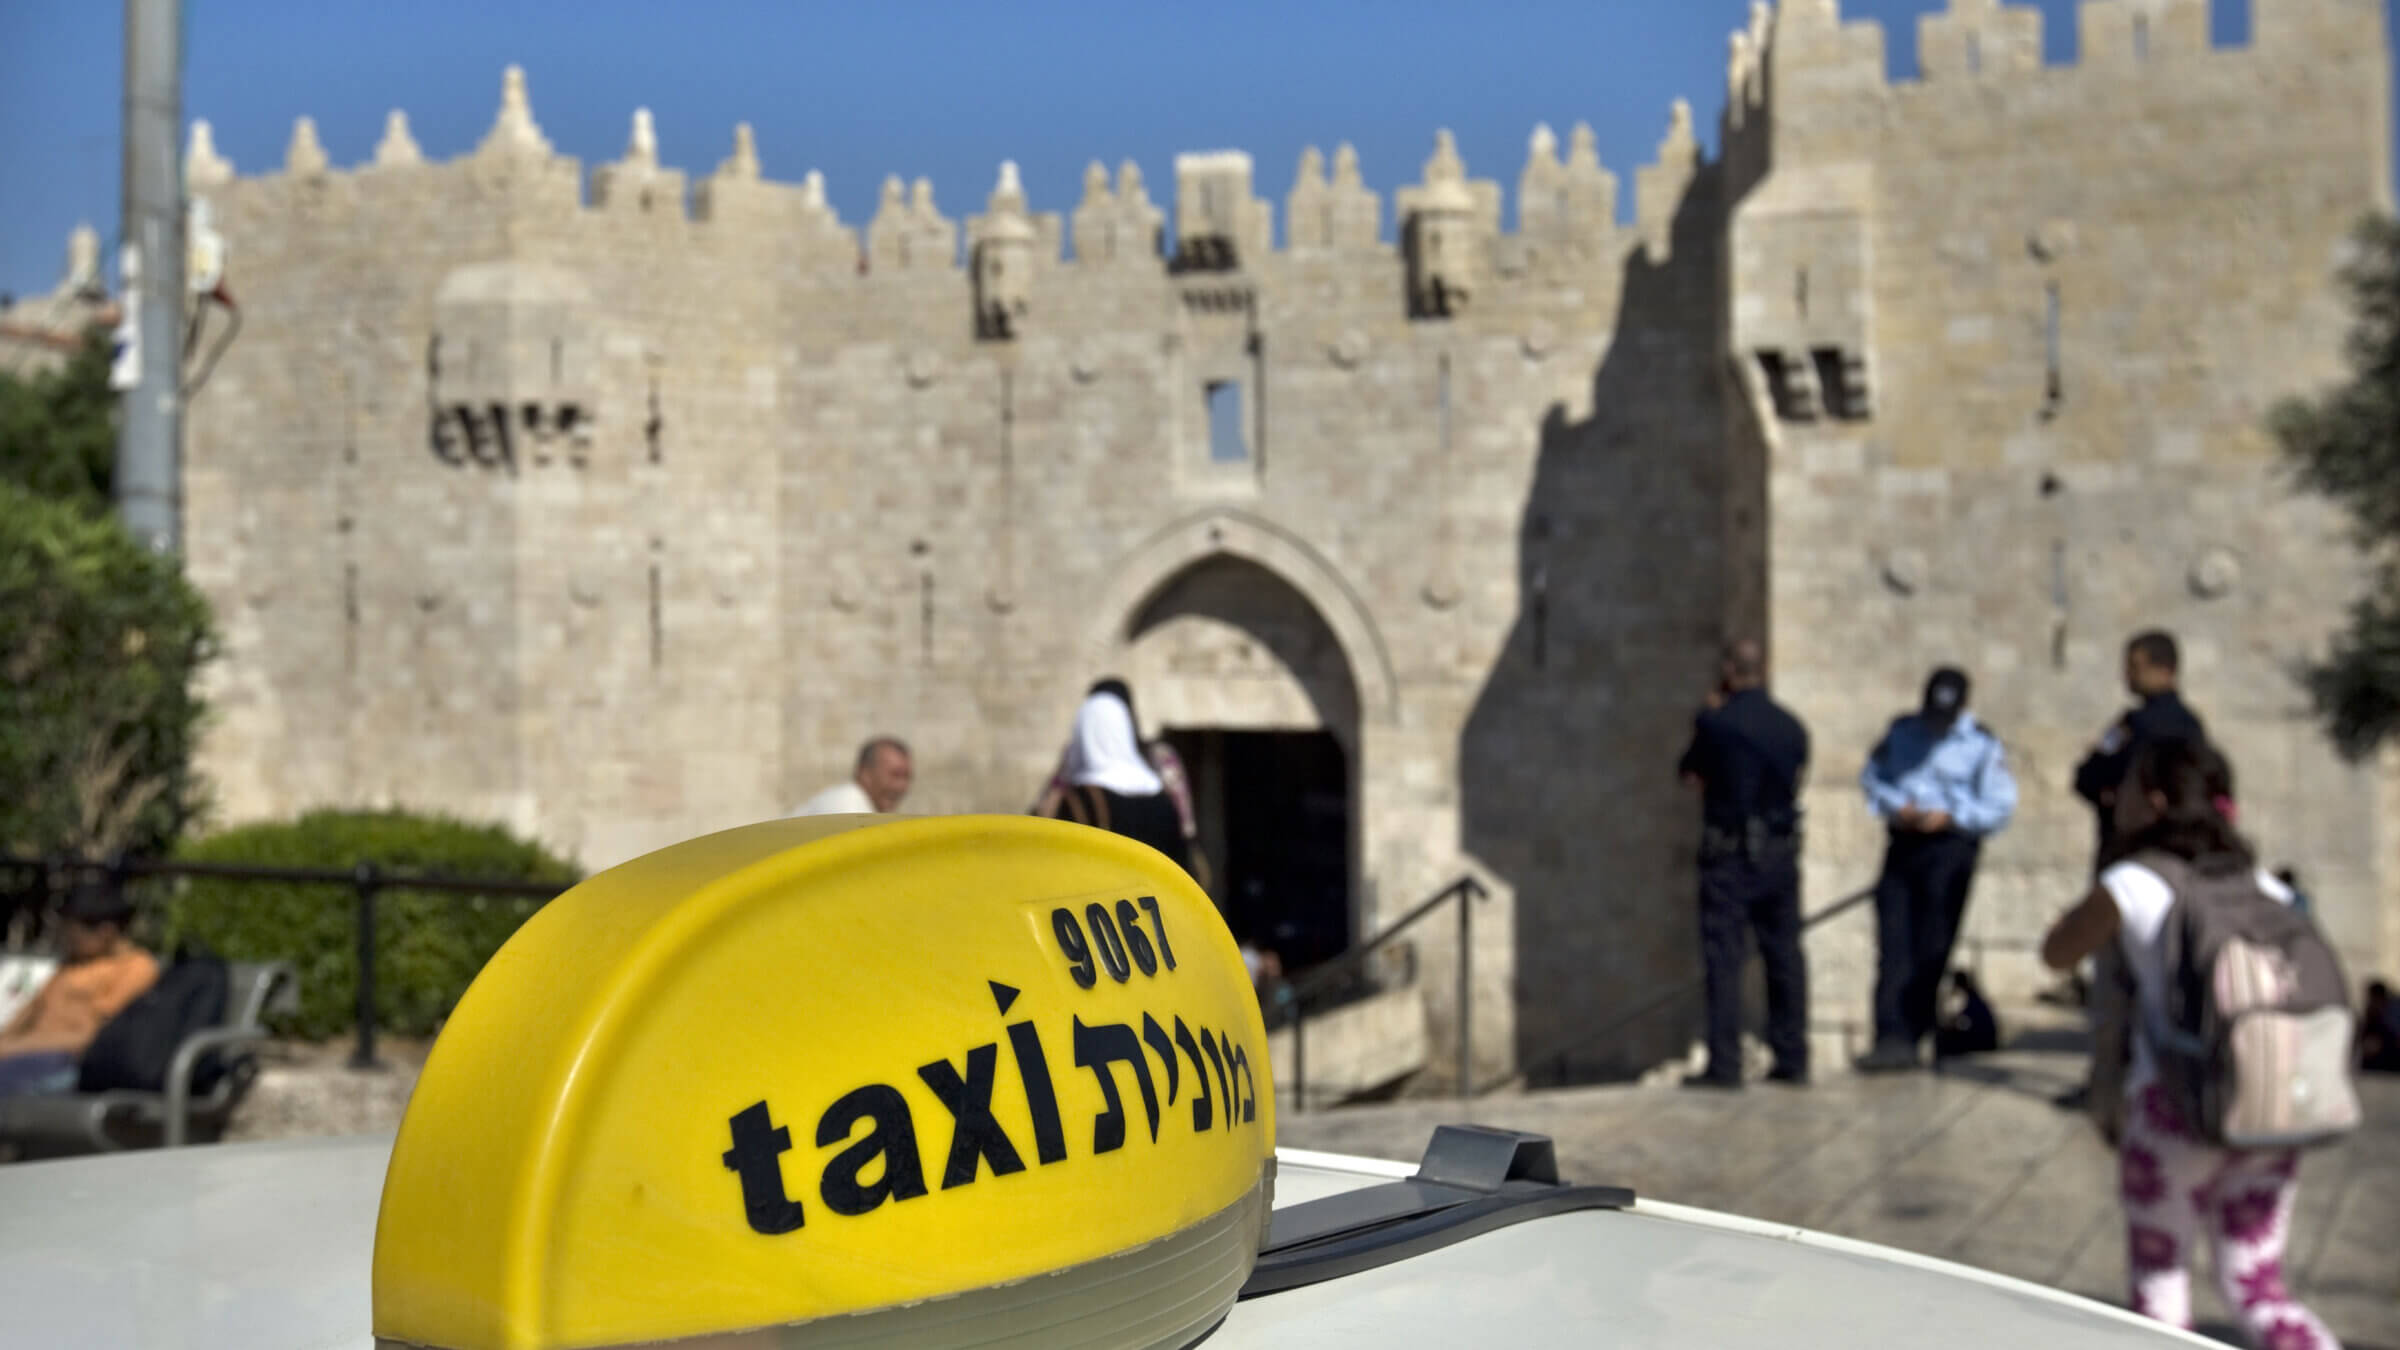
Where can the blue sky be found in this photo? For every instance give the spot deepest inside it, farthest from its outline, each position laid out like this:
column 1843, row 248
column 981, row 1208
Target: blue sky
column 943, row 89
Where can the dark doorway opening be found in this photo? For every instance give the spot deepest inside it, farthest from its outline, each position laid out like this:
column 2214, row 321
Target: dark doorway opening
column 1273, row 809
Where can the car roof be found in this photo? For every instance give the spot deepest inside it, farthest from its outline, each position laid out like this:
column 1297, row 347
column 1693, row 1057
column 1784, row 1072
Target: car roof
column 269, row 1246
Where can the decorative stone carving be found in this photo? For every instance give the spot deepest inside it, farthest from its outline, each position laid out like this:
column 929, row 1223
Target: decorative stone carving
column 637, row 179
column 924, row 366
column 1540, row 197
column 397, row 147
column 1904, row 570
column 1305, row 217
column 1122, row 226
column 2051, row 240
column 1539, row 340
column 641, row 147
column 305, row 157
column 1004, row 254
column 908, row 230
column 83, row 262
column 1218, row 224
column 514, row 131
column 1441, row 591
column 2215, row 573
column 202, row 165
column 1441, row 245
column 1349, row 349
column 743, row 162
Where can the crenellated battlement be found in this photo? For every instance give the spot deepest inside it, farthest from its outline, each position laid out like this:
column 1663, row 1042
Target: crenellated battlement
column 1567, row 202
column 1807, row 49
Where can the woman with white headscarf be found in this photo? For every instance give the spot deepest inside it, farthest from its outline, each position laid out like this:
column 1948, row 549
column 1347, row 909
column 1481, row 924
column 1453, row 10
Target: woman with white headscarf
column 1108, row 783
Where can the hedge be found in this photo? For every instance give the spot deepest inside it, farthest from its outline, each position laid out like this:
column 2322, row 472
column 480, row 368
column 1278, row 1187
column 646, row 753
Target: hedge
column 429, row 944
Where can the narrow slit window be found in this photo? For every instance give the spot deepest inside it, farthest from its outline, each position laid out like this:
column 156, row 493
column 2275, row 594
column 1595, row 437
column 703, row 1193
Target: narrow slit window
column 925, row 618
column 658, row 627
column 1442, row 400
column 350, row 618
column 558, row 359
column 2141, row 37
column 1227, row 443
column 1974, row 53
column 1800, row 291
column 2054, row 387
column 654, row 426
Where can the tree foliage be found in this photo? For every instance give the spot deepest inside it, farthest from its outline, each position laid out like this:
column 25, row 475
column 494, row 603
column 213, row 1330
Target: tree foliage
column 58, row 430
column 100, row 641
column 2345, row 444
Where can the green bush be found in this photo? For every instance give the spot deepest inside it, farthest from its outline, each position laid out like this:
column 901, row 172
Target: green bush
column 428, row 944
column 100, row 643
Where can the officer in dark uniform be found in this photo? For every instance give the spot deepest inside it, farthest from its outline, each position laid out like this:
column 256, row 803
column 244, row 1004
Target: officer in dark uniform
column 2153, row 666
column 1747, row 757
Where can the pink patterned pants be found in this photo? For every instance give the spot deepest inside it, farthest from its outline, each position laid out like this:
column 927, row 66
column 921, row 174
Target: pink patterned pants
column 2175, row 1188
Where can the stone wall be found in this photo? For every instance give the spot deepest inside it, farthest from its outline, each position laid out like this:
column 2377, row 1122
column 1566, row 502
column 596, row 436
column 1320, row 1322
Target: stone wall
column 624, row 510
column 2075, row 292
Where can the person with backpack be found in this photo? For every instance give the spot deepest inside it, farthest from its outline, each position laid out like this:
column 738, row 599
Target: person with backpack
column 2233, row 1065
column 42, row 1047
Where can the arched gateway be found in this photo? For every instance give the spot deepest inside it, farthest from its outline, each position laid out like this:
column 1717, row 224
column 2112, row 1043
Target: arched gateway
column 1255, row 660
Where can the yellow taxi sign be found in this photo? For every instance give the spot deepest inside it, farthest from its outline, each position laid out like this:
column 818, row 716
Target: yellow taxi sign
column 866, row 1069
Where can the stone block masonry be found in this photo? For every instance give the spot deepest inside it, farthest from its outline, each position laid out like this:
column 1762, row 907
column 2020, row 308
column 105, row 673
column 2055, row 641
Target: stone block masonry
column 622, row 505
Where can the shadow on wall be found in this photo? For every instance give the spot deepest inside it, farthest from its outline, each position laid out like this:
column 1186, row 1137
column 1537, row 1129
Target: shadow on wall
column 1567, row 763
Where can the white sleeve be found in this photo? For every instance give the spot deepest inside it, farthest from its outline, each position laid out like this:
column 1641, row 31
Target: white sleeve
column 2143, row 899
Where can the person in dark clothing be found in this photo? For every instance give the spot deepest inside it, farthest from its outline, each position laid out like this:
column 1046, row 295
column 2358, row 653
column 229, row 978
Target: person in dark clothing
column 2153, row 670
column 1748, row 757
column 1111, row 785
column 2153, row 666
column 2378, row 1041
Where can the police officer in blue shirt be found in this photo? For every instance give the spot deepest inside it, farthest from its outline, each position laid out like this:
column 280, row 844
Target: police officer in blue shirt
column 1747, row 757
column 1939, row 781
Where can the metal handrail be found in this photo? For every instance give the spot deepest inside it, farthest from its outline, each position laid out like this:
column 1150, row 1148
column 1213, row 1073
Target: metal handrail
column 1632, row 1015
column 1466, row 890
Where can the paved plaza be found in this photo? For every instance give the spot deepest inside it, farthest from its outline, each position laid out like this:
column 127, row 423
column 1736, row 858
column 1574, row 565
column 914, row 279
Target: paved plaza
column 1975, row 1165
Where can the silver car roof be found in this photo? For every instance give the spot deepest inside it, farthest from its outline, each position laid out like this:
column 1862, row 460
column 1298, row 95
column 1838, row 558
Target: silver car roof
column 269, row 1247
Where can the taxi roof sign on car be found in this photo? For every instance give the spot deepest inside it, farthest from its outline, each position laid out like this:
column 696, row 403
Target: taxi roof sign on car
column 974, row 1080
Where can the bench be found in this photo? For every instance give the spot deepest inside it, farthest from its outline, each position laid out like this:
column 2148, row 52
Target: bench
column 106, row 1122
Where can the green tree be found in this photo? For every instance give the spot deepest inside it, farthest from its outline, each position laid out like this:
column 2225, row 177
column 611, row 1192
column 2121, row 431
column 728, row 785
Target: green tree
column 58, row 430
column 2345, row 444
column 100, row 641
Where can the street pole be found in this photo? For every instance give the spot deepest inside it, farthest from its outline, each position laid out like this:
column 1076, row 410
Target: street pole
column 150, row 374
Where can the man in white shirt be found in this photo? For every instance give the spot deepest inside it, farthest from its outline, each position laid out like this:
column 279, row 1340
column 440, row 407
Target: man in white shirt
column 880, row 781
